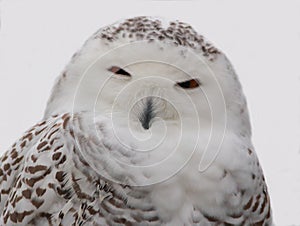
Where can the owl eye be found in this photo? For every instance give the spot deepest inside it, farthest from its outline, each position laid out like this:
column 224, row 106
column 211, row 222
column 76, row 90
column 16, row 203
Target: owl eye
column 119, row 71
column 190, row 84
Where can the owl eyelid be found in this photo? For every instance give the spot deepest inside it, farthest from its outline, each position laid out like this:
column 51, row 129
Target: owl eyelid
column 119, row 71
column 189, row 84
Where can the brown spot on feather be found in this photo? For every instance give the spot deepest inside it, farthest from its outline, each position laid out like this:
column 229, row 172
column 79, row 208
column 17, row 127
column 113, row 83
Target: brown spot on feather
column 22, row 145
column 56, row 156
column 65, row 118
column 37, row 168
column 33, row 158
column 6, row 166
column 4, row 157
column 38, row 132
column 41, row 145
column 28, row 136
column 41, row 123
column 249, row 204
column 19, row 216
column 40, row 191
column 249, row 151
column 60, row 176
column 5, row 191
column 57, row 148
column 53, row 132
column 27, row 193
column 14, row 153
column 37, row 203
column 17, row 160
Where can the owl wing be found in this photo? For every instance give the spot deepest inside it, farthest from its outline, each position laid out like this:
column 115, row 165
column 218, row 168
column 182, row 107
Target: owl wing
column 32, row 173
column 12, row 161
column 49, row 183
column 257, row 207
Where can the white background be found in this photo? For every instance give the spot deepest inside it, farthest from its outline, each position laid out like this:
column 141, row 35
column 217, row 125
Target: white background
column 262, row 39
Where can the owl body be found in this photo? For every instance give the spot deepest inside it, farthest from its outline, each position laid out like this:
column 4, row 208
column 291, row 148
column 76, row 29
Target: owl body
column 147, row 125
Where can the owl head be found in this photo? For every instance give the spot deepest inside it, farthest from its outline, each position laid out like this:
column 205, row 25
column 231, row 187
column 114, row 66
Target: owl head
column 146, row 70
column 160, row 82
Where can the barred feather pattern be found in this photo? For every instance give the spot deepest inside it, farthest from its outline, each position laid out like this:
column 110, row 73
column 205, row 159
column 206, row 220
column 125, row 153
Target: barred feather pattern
column 45, row 180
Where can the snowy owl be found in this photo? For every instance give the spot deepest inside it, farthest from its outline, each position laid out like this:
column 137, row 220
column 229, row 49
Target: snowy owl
column 147, row 125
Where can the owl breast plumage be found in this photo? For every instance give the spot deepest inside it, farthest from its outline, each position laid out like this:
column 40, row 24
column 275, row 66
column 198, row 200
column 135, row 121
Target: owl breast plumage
column 147, row 125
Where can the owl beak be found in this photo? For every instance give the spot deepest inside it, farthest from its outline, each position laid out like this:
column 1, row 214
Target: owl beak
column 147, row 113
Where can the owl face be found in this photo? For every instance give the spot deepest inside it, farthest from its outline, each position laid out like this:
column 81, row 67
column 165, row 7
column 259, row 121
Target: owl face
column 141, row 72
column 142, row 83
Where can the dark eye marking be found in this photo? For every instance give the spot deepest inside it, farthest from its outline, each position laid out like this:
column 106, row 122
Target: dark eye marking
column 190, row 84
column 119, row 71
